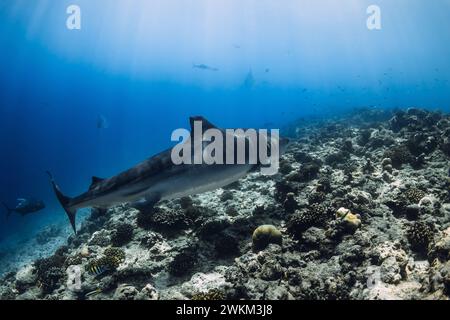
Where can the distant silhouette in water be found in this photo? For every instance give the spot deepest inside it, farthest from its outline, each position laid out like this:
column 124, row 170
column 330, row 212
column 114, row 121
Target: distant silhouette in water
column 24, row 207
column 249, row 81
column 204, row 67
column 102, row 123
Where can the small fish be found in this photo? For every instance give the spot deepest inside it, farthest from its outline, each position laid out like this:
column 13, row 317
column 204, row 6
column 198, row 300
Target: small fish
column 94, row 292
column 204, row 67
column 25, row 206
column 97, row 270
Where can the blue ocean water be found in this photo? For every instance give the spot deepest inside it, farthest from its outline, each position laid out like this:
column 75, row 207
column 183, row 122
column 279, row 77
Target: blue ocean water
column 132, row 63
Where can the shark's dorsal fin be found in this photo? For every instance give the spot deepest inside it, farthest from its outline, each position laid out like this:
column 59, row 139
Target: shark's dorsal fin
column 95, row 181
column 205, row 123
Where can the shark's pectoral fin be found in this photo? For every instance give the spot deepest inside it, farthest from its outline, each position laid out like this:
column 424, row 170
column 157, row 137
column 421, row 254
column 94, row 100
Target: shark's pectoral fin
column 147, row 203
column 95, row 181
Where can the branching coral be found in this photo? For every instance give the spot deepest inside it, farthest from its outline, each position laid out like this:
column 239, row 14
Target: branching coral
column 144, row 220
column 421, row 143
column 324, row 185
column 407, row 203
column 290, row 204
column 115, row 255
column 316, row 197
column 399, row 155
column 316, row 215
column 420, row 235
column 226, row 245
column 413, row 195
column 182, row 263
column 212, row 227
column 285, row 167
column 282, row 189
column 336, row 158
column 307, row 172
column 74, row 260
column 212, row 294
column 165, row 219
column 122, row 235
column 226, row 195
column 50, row 272
column 399, row 121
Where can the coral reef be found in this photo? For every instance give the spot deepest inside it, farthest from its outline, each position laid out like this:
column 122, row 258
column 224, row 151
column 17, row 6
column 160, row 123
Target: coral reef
column 226, row 245
column 211, row 295
column 414, row 195
column 182, row 263
column 361, row 206
column 50, row 272
column 168, row 219
column 349, row 219
column 420, row 235
column 122, row 235
column 398, row 155
column 315, row 215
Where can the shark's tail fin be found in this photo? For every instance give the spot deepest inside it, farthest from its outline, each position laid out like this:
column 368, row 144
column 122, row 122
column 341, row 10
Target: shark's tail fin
column 8, row 210
column 64, row 201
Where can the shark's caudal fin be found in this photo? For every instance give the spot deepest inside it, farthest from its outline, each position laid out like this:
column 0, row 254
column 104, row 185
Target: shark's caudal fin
column 8, row 210
column 64, row 200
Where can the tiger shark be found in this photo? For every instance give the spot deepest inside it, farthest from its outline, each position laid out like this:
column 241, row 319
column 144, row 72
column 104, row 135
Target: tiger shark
column 156, row 179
